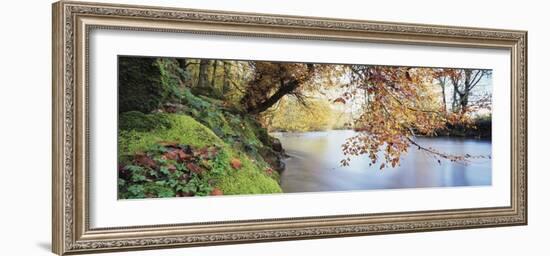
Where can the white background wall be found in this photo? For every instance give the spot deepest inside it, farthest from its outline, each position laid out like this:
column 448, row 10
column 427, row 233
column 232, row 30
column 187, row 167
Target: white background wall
column 25, row 148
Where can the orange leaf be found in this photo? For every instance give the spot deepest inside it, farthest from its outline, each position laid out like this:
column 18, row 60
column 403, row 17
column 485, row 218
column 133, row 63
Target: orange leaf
column 144, row 160
column 236, row 163
column 216, row 192
column 340, row 100
column 171, row 155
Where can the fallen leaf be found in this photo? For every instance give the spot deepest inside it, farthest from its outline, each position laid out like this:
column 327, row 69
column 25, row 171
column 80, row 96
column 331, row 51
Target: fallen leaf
column 202, row 153
column 171, row 155
column 182, row 155
column 216, row 192
column 236, row 163
column 144, row 160
column 194, row 168
column 172, row 168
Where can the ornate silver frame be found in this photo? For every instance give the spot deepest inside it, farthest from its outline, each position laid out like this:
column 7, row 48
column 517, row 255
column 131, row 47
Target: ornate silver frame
column 72, row 21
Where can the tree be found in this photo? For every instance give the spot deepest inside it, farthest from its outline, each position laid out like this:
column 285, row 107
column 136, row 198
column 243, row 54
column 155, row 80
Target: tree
column 226, row 87
column 272, row 81
column 398, row 103
column 464, row 81
column 442, row 79
column 183, row 66
column 214, row 69
column 205, row 85
column 202, row 81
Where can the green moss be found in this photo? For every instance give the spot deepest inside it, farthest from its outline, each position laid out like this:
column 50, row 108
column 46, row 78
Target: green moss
column 216, row 121
column 170, row 78
column 253, row 131
column 242, row 132
column 135, row 120
column 196, row 103
column 248, row 182
column 250, row 179
column 183, row 129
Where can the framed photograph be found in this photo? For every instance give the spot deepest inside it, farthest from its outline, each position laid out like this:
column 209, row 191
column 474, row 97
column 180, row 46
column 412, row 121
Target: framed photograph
column 178, row 127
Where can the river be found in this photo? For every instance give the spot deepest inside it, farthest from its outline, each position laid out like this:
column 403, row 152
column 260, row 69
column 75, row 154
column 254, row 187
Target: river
column 314, row 158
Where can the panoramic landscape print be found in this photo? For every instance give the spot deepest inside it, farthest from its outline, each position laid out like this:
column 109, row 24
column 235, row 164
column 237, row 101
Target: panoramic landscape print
column 192, row 127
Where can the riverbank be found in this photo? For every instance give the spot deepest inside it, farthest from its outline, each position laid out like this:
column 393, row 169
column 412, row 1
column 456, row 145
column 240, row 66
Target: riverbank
column 481, row 129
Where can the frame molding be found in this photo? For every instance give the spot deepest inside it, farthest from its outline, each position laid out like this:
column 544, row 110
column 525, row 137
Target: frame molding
column 72, row 22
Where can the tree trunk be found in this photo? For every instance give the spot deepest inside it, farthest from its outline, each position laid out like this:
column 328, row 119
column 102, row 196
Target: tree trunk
column 203, row 74
column 213, row 81
column 444, row 98
column 463, row 102
column 225, row 82
column 279, row 94
column 467, row 87
column 455, row 99
column 442, row 83
column 285, row 87
column 183, row 65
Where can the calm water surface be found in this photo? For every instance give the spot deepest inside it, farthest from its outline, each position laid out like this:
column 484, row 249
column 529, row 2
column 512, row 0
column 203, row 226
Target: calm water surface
column 314, row 158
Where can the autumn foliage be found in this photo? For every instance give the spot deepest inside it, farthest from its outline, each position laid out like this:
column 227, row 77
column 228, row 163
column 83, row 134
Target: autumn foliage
column 398, row 103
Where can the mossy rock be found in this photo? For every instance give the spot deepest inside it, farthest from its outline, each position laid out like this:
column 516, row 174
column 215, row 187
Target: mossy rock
column 150, row 129
column 146, row 84
column 139, row 84
column 170, row 127
column 138, row 121
column 251, row 178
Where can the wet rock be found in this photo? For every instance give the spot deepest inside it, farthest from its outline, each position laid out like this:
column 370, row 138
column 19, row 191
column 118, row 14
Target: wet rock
column 274, row 159
column 276, row 145
column 175, row 108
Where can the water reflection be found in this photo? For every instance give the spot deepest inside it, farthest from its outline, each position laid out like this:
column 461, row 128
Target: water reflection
column 314, row 165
